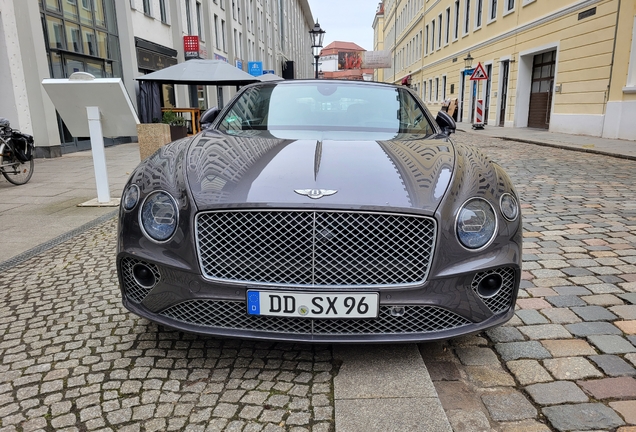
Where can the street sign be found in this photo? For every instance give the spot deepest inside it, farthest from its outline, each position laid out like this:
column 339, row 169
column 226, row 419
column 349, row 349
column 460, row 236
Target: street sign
column 479, row 73
column 255, row 68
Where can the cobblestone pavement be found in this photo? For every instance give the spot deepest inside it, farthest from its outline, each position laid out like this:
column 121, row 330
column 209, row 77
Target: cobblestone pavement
column 566, row 361
column 72, row 359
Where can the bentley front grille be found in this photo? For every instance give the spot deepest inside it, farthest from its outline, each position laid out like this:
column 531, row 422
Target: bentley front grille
column 315, row 248
column 233, row 315
column 503, row 299
column 132, row 288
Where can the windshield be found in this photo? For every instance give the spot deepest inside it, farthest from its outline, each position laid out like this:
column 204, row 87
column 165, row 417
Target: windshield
column 327, row 107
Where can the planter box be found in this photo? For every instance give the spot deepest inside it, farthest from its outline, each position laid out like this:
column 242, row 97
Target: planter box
column 152, row 136
column 178, row 132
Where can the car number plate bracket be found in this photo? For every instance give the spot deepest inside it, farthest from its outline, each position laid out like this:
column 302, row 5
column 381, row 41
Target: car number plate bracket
column 313, row 305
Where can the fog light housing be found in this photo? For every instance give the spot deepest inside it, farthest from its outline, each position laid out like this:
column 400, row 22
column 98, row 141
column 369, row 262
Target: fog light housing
column 490, row 285
column 144, row 276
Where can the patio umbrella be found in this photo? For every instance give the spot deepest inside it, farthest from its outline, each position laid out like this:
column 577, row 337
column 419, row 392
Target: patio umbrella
column 200, row 72
column 269, row 77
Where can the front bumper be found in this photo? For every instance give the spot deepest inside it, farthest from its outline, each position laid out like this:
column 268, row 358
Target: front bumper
column 442, row 308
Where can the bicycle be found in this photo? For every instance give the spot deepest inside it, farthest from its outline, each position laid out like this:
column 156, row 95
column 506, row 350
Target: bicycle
column 16, row 154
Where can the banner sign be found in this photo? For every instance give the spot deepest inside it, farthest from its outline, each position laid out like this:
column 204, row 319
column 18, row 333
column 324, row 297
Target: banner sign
column 191, row 46
column 377, row 59
column 350, row 60
column 255, row 68
column 239, row 64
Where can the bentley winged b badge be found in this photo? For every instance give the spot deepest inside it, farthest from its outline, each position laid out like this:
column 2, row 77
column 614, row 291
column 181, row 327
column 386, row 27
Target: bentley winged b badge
column 315, row 193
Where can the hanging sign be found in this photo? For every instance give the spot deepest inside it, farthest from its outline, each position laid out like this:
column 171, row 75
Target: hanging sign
column 479, row 73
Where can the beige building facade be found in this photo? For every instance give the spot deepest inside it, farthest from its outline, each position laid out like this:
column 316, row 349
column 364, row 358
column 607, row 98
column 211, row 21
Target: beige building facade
column 566, row 66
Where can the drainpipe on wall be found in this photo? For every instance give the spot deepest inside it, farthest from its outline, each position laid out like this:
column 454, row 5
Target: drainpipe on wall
column 609, row 82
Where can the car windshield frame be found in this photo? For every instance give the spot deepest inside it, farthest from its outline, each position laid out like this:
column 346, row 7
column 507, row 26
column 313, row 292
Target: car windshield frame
column 326, row 106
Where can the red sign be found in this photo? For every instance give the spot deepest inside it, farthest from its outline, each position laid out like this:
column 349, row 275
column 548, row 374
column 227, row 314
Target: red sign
column 191, row 46
column 479, row 73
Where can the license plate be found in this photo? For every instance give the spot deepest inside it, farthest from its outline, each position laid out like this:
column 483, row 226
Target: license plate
column 312, row 305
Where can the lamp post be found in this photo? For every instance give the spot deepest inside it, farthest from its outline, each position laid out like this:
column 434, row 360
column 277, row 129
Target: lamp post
column 468, row 61
column 317, row 35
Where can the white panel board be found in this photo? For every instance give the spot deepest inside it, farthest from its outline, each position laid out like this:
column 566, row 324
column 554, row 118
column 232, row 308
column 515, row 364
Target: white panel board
column 71, row 97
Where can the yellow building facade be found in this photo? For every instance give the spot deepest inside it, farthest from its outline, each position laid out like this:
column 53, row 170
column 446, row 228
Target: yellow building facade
column 563, row 65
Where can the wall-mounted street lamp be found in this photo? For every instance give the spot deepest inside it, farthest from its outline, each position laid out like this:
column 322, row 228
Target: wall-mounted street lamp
column 317, row 35
column 468, row 61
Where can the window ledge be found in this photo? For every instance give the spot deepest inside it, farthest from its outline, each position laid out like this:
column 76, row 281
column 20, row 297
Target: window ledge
column 508, row 12
column 629, row 89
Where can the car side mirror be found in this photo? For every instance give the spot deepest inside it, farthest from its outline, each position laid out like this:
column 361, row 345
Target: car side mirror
column 446, row 123
column 208, row 117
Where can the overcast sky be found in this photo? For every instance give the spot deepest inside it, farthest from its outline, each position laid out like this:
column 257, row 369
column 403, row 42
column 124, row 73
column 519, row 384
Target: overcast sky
column 346, row 20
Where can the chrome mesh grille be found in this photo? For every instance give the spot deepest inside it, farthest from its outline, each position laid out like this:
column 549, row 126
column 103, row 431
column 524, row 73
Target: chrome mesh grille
column 233, row 315
column 308, row 248
column 503, row 300
column 132, row 289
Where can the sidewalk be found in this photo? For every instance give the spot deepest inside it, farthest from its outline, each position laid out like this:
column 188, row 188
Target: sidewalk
column 609, row 147
column 45, row 209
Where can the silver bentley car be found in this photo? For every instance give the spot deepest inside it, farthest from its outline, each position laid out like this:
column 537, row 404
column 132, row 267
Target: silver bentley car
column 321, row 211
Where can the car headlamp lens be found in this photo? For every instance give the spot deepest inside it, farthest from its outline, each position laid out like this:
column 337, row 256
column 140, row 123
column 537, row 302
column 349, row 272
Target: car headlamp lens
column 509, row 206
column 159, row 216
column 131, row 197
column 476, row 223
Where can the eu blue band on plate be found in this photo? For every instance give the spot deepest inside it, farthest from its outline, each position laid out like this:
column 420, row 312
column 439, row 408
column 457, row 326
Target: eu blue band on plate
column 253, row 303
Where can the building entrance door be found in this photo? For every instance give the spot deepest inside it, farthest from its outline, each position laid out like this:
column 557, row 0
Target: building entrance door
column 505, row 68
column 541, row 92
column 487, row 91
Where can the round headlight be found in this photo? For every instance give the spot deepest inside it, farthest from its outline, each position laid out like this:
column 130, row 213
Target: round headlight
column 509, row 206
column 476, row 223
column 131, row 197
column 159, row 216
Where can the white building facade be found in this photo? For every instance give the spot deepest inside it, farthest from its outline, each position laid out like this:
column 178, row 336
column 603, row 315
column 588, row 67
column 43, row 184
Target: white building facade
column 129, row 38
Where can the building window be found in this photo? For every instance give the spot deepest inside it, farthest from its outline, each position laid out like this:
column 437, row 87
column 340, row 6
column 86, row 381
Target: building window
column 234, row 10
column 188, row 17
column 199, row 22
column 162, row 11
column 478, row 13
column 444, row 87
column 456, row 33
column 216, row 31
column 426, row 40
column 430, row 90
column 439, row 27
column 437, row 89
column 146, row 4
column 510, row 5
column 424, row 91
column 223, row 35
column 432, row 36
column 467, row 17
column 493, row 10
column 448, row 16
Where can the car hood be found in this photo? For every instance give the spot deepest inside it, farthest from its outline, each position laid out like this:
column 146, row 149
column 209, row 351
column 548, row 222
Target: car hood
column 225, row 171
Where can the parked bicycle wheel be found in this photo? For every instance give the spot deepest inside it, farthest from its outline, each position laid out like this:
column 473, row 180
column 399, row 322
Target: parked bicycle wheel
column 17, row 172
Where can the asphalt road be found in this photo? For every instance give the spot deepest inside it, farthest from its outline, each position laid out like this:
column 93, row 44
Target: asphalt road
column 71, row 358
